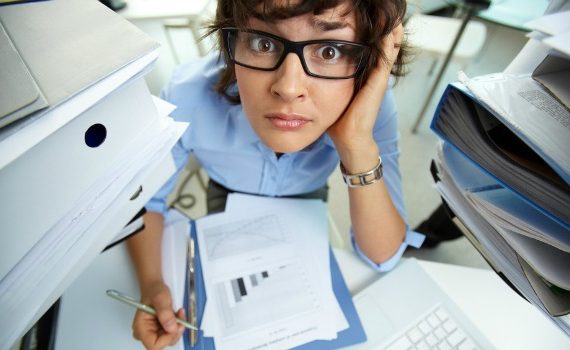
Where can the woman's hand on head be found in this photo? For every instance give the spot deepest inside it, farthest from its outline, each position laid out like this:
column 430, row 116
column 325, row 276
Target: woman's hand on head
column 352, row 132
column 160, row 331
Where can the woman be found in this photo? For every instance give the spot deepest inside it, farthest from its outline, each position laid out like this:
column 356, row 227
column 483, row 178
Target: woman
column 302, row 85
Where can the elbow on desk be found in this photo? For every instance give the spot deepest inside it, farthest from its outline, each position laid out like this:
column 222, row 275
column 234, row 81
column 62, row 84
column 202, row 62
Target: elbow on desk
column 381, row 254
column 380, row 257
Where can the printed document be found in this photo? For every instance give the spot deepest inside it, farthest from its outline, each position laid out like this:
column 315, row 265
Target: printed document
column 267, row 275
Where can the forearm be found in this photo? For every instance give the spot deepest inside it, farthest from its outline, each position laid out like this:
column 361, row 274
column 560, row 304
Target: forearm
column 378, row 228
column 145, row 250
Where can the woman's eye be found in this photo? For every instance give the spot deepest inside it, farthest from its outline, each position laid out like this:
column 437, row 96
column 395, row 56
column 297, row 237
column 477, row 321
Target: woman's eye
column 329, row 53
column 262, row 44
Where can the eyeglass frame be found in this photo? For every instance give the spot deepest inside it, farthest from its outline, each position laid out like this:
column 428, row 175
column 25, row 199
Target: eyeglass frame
column 295, row 47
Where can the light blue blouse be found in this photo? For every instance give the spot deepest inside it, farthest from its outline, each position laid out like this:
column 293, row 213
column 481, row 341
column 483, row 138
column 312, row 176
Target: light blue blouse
column 232, row 154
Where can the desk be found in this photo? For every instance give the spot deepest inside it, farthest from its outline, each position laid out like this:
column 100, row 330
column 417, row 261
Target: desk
column 509, row 13
column 507, row 320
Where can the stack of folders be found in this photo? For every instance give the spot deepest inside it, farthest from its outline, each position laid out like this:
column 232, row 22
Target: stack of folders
column 83, row 145
column 504, row 170
column 270, row 280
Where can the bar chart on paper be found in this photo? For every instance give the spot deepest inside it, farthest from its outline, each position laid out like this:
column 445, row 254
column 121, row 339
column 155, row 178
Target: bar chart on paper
column 263, row 297
column 243, row 236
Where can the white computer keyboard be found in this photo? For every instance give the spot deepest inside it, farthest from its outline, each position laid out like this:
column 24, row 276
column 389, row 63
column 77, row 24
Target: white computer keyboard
column 434, row 330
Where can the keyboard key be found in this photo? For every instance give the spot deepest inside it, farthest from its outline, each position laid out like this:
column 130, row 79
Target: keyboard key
column 431, row 340
column 415, row 335
column 449, row 326
column 401, row 344
column 467, row 345
column 424, row 327
column 442, row 314
column 422, row 346
column 433, row 320
column 456, row 337
column 440, row 333
column 436, row 330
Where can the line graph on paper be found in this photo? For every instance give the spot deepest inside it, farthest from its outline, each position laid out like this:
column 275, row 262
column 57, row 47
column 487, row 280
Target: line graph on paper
column 243, row 236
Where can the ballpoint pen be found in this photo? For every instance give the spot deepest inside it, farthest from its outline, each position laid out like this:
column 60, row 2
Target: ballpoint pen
column 192, row 290
column 143, row 307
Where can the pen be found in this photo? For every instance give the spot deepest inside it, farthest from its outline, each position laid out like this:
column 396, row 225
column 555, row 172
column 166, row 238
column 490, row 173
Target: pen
column 145, row 308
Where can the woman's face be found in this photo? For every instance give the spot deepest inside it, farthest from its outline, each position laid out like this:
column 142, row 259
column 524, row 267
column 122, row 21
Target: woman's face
column 287, row 108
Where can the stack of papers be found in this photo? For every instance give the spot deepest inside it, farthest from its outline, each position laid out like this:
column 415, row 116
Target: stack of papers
column 47, row 263
column 71, row 74
column 517, row 138
column 267, row 274
column 526, row 263
column 504, row 168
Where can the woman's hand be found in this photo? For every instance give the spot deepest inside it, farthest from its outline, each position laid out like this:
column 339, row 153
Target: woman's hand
column 352, row 132
column 160, row 331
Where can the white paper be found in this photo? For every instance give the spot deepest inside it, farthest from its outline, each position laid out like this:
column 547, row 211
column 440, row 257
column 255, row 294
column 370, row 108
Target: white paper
column 519, row 230
column 503, row 207
column 530, row 56
column 174, row 260
column 560, row 42
column 266, row 252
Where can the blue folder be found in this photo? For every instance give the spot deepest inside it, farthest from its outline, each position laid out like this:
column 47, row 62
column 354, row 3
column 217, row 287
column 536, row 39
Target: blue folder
column 352, row 335
column 471, row 178
column 458, row 94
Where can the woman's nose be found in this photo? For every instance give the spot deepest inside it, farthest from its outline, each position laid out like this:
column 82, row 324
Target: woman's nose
column 290, row 79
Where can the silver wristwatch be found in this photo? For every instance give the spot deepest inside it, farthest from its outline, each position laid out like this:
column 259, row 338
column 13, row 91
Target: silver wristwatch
column 362, row 179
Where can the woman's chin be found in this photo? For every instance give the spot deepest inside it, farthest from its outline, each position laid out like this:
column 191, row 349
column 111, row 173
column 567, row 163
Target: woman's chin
column 284, row 146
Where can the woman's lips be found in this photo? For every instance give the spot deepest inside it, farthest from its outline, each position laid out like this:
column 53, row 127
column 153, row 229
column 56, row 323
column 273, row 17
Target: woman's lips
column 287, row 121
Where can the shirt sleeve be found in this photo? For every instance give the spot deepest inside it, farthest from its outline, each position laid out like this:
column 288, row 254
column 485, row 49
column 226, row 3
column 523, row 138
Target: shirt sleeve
column 387, row 137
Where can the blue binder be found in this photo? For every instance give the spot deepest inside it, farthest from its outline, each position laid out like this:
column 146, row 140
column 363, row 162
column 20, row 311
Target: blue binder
column 352, row 335
column 457, row 97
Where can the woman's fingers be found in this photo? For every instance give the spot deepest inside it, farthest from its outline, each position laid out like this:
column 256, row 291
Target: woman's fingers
column 162, row 303
column 160, row 331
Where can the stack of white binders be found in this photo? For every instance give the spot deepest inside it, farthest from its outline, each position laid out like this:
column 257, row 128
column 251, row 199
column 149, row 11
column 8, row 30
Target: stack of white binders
column 83, row 146
column 504, row 166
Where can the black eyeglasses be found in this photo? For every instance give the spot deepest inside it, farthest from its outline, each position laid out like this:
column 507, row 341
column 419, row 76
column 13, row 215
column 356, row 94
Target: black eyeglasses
column 328, row 59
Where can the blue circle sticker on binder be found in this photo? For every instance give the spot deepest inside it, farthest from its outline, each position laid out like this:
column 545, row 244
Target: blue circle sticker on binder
column 95, row 135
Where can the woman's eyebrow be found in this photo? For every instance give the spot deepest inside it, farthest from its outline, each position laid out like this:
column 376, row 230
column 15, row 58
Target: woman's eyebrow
column 325, row 26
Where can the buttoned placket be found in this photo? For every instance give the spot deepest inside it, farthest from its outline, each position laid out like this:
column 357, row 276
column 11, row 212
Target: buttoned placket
column 274, row 173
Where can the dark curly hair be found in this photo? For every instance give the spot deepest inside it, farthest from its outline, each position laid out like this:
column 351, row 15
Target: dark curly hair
column 375, row 19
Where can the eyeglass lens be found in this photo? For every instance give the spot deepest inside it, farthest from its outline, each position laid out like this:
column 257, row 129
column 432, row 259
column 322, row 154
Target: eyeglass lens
column 327, row 58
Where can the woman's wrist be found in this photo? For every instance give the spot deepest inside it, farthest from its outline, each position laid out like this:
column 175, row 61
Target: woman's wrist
column 150, row 288
column 359, row 159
